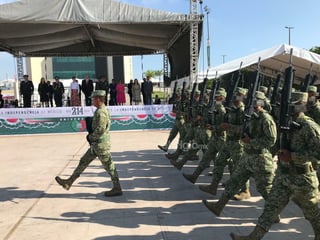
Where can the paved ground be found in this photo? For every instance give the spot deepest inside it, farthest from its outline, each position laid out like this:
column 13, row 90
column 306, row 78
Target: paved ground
column 158, row 203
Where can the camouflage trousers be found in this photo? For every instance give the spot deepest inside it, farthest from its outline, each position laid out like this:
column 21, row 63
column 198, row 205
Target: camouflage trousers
column 230, row 156
column 258, row 166
column 177, row 128
column 213, row 147
column 200, row 141
column 302, row 189
column 105, row 159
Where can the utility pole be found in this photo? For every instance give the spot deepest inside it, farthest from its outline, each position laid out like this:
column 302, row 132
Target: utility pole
column 289, row 29
column 223, row 57
column 207, row 10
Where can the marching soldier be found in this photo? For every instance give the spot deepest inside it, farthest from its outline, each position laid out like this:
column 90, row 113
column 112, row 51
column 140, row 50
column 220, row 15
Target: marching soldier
column 232, row 150
column 217, row 139
column 295, row 176
column 256, row 160
column 178, row 124
column 99, row 141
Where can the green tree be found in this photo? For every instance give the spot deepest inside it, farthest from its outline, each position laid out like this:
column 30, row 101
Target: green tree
column 315, row 50
column 150, row 73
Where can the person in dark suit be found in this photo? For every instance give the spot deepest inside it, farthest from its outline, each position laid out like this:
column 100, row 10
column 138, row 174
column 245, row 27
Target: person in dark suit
column 148, row 89
column 87, row 89
column 143, row 91
column 26, row 90
column 58, row 91
column 1, row 100
column 50, row 93
column 113, row 93
column 103, row 84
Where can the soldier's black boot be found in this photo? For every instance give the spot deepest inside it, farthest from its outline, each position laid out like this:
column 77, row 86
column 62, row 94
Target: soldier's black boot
column 217, row 208
column 165, row 147
column 65, row 183
column 194, row 176
column 257, row 234
column 211, row 189
column 116, row 190
column 179, row 164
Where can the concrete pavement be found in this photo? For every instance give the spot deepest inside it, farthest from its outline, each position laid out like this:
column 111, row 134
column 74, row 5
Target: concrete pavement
column 157, row 204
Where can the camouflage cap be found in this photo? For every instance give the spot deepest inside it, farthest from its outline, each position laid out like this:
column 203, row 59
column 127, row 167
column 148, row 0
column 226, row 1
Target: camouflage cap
column 242, row 91
column 197, row 92
column 221, row 92
column 297, row 97
column 312, row 89
column 260, row 95
column 189, row 91
column 263, row 89
column 178, row 91
column 98, row 93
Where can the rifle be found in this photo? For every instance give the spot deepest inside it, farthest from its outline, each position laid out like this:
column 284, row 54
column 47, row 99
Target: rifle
column 191, row 99
column 202, row 93
column 307, row 81
column 215, row 87
column 274, row 96
column 248, row 109
column 232, row 88
column 183, row 95
column 174, row 94
column 285, row 109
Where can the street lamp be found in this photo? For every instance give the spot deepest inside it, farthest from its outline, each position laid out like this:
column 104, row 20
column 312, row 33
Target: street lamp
column 207, row 10
column 223, row 57
column 289, row 29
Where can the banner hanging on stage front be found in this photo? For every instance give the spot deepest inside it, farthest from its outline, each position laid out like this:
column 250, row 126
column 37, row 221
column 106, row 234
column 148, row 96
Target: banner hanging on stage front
column 71, row 119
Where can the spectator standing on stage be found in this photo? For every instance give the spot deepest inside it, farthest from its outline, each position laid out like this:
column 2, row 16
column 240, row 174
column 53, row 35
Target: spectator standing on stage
column 121, row 93
column 113, row 93
column 148, row 89
column 142, row 91
column 74, row 92
column 26, row 90
column 103, row 84
column 58, row 91
column 87, row 89
column 50, row 94
column 136, row 92
column 130, row 91
column 43, row 91
column 1, row 100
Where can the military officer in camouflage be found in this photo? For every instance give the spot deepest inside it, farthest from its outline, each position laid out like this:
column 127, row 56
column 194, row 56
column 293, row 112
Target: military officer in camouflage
column 178, row 124
column 256, row 160
column 231, row 151
column 295, row 176
column 313, row 105
column 217, row 139
column 99, row 141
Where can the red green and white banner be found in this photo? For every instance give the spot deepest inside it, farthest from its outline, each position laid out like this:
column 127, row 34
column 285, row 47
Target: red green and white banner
column 71, row 119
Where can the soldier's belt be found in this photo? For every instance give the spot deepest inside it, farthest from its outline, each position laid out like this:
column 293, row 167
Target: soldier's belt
column 295, row 169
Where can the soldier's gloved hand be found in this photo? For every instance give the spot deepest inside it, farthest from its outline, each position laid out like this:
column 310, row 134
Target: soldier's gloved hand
column 245, row 139
column 88, row 139
column 225, row 126
column 284, row 155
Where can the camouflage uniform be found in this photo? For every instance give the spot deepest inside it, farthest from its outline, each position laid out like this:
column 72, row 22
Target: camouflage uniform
column 178, row 124
column 256, row 161
column 99, row 141
column 313, row 107
column 295, row 177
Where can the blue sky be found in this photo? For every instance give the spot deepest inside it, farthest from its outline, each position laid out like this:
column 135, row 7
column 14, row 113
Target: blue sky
column 237, row 28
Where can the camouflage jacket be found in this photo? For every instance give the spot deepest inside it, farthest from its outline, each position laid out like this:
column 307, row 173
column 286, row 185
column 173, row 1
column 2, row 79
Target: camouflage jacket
column 314, row 112
column 305, row 141
column 262, row 132
column 235, row 118
column 100, row 138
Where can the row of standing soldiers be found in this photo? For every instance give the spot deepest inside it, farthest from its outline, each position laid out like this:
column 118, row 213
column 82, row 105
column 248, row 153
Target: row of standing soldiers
column 220, row 134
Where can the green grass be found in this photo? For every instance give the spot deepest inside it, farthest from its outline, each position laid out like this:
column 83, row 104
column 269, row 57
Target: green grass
column 160, row 94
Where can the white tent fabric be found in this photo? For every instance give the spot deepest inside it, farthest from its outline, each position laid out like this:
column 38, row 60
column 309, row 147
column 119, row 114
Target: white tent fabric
column 100, row 27
column 273, row 60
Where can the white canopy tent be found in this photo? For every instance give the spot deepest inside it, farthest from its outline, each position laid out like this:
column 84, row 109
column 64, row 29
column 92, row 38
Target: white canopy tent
column 100, row 27
column 273, row 60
